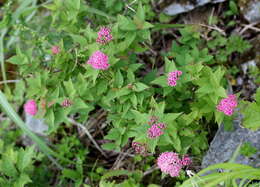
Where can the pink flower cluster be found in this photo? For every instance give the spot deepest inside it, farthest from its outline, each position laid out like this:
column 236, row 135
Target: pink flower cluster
column 104, row 35
column 30, row 107
column 185, row 161
column 227, row 105
column 55, row 50
column 66, row 103
column 173, row 77
column 156, row 130
column 99, row 60
column 139, row 148
column 170, row 163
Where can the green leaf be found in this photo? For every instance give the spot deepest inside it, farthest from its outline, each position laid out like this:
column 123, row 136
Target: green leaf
column 25, row 158
column 75, row 4
column 233, row 7
column 109, row 146
column 219, row 117
column 140, row 118
column 7, row 166
column 119, row 79
column 152, row 143
column 138, row 87
column 71, row 174
column 177, row 144
column 19, row 60
column 126, row 24
column 140, row 11
column 130, row 76
column 49, row 119
column 51, row 6
column 161, row 81
column 129, row 38
column 169, row 65
column 170, row 117
column 221, row 92
column 133, row 99
column 22, row 180
column 251, row 116
column 70, row 88
column 14, row 116
column 113, row 173
column 79, row 39
column 257, row 96
column 147, row 25
column 247, row 149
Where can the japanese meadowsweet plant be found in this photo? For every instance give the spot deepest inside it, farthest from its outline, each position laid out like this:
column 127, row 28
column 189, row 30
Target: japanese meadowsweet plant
column 75, row 67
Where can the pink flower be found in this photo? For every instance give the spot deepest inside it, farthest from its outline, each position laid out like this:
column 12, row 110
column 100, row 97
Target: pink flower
column 55, row 50
column 185, row 161
column 30, row 107
column 156, row 130
column 227, row 105
column 66, row 103
column 99, row 60
column 173, row 77
column 139, row 148
column 169, row 163
column 104, row 35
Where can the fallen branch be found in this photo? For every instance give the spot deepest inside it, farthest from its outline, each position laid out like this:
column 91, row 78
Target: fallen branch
column 89, row 135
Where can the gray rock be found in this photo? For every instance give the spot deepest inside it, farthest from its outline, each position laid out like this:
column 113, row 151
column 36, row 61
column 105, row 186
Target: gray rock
column 177, row 8
column 36, row 125
column 225, row 144
column 252, row 11
column 247, row 65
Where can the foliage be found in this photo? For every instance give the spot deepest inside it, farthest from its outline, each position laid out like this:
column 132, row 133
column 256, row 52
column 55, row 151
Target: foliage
column 132, row 90
column 247, row 149
column 250, row 110
column 232, row 172
column 16, row 166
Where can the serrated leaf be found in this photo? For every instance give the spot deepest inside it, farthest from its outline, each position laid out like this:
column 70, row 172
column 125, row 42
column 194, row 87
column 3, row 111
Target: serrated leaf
column 70, row 88
column 133, row 99
column 138, row 87
column 25, row 158
column 140, row 11
column 170, row 117
column 125, row 23
column 119, row 79
column 161, row 81
column 79, row 39
column 169, row 65
column 130, row 36
column 251, row 116
column 140, row 118
column 22, row 180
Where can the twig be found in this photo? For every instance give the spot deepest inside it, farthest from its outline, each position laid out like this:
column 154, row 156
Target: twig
column 249, row 26
column 123, row 153
column 152, row 169
column 9, row 81
column 119, row 159
column 214, row 28
column 150, row 48
column 89, row 135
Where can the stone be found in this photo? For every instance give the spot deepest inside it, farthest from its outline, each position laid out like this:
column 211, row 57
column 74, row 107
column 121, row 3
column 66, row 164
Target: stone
column 251, row 11
column 36, row 125
column 177, row 8
column 225, row 144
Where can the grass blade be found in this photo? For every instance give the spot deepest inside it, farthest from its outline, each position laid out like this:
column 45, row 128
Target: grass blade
column 18, row 121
